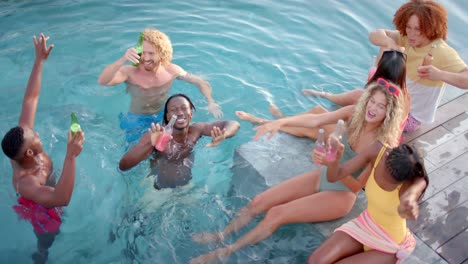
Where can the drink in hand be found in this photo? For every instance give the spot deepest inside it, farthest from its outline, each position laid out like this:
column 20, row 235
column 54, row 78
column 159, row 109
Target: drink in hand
column 335, row 138
column 320, row 143
column 163, row 138
column 74, row 127
column 139, row 47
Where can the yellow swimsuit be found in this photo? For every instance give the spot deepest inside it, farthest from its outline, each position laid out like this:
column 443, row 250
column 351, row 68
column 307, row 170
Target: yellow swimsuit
column 382, row 206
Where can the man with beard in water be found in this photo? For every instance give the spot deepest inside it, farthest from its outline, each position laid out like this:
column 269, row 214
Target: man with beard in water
column 172, row 167
column 149, row 82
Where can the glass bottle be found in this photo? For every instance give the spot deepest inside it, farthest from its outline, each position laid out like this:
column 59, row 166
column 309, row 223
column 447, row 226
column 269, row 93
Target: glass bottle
column 164, row 137
column 139, row 47
column 74, row 127
column 320, row 143
column 335, row 137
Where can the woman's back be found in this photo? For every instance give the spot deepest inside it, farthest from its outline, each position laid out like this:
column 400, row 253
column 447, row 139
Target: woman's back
column 383, row 199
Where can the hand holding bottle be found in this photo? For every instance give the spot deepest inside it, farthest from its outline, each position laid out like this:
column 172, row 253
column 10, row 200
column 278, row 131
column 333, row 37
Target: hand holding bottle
column 320, row 150
column 165, row 136
column 75, row 143
column 132, row 56
column 334, row 140
column 155, row 131
column 339, row 150
column 74, row 126
column 138, row 48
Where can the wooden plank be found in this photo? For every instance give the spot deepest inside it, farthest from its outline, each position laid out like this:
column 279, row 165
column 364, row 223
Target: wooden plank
column 446, row 175
column 455, row 251
column 450, row 150
column 451, row 92
column 432, row 139
column 446, row 227
column 434, row 211
column 457, row 125
column 423, row 254
column 429, row 166
column 444, row 113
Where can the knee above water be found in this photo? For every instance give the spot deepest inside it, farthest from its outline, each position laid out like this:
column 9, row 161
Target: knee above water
column 316, row 258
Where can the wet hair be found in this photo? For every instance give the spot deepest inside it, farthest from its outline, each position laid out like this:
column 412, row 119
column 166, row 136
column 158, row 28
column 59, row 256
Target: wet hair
column 432, row 18
column 161, row 43
column 389, row 130
column 404, row 163
column 165, row 121
column 392, row 67
column 12, row 142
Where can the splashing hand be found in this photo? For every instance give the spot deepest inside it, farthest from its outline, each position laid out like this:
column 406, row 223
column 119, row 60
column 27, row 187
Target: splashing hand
column 215, row 110
column 271, row 127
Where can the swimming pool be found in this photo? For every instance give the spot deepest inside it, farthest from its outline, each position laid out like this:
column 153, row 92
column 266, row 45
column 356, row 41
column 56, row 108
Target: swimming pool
column 251, row 53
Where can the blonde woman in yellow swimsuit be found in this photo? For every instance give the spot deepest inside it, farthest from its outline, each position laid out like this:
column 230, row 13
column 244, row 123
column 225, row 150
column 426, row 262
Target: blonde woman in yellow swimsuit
column 379, row 235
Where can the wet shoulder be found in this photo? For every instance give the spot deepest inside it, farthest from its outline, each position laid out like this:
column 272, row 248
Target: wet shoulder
column 196, row 130
column 175, row 70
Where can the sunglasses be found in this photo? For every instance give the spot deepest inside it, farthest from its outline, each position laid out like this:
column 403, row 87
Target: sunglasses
column 390, row 88
column 395, row 51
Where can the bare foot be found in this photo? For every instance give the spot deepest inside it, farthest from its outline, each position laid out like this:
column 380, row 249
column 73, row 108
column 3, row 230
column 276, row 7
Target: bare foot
column 204, row 238
column 275, row 112
column 212, row 257
column 314, row 93
column 250, row 118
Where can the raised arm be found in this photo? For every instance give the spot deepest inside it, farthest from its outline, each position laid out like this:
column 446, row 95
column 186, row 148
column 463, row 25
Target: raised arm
column 385, row 38
column 336, row 172
column 142, row 149
column 60, row 195
column 218, row 131
column 116, row 73
column 31, row 95
column 203, row 86
column 305, row 120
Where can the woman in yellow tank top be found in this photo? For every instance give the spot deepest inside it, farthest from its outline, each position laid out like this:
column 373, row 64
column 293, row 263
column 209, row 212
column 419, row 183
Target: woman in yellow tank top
column 379, row 235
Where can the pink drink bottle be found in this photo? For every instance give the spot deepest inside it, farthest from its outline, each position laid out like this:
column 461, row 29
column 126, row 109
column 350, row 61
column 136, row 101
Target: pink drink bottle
column 337, row 135
column 320, row 143
column 164, row 137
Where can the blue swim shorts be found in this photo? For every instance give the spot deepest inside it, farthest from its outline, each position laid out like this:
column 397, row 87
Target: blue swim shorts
column 136, row 125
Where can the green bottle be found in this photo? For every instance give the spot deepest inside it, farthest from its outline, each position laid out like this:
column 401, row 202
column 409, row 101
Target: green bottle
column 139, row 47
column 74, row 127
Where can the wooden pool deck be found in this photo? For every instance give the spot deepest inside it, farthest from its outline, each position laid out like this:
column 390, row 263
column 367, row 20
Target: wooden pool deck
column 441, row 228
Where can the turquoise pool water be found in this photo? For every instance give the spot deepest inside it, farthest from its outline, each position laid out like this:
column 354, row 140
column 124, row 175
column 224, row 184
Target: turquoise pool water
column 253, row 54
